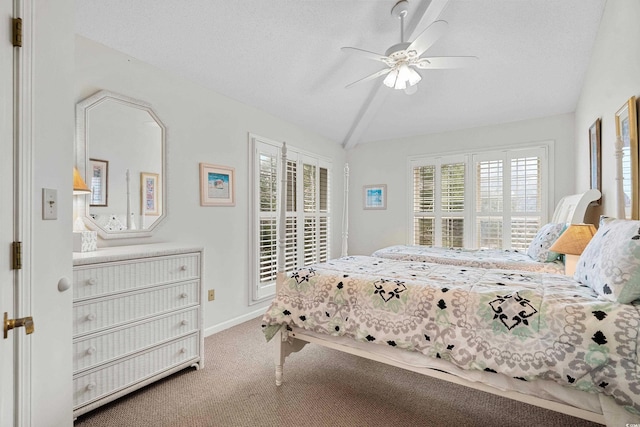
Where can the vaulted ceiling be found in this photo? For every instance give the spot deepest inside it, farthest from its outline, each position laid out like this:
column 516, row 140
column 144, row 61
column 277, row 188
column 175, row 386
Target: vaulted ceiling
column 284, row 57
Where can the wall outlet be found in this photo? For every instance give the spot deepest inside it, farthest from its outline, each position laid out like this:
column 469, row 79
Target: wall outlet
column 212, row 294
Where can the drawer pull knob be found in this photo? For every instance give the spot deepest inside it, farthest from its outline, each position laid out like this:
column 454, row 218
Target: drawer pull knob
column 91, row 350
column 184, row 322
column 92, row 281
column 183, row 268
column 183, row 295
column 183, row 350
column 91, row 386
column 91, row 316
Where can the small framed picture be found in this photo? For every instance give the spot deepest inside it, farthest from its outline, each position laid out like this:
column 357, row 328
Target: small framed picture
column 217, row 185
column 375, row 196
column 595, row 158
column 149, row 193
column 98, row 182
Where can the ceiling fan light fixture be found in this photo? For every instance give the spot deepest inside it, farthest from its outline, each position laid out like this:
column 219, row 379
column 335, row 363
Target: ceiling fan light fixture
column 410, row 90
column 402, row 77
column 414, row 77
column 403, row 74
column 403, row 58
column 391, row 79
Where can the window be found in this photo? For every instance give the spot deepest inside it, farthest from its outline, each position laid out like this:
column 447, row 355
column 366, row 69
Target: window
column 500, row 203
column 439, row 202
column 307, row 216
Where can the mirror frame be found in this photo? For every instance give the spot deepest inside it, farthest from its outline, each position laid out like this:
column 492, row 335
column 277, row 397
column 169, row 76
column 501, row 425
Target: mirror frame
column 628, row 112
column 82, row 160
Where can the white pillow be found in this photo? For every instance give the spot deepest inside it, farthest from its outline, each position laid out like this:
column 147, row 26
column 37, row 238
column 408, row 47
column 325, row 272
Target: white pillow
column 610, row 264
column 539, row 247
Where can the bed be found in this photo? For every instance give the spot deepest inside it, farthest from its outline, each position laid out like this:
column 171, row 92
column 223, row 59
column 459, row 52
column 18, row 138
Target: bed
column 567, row 344
column 570, row 210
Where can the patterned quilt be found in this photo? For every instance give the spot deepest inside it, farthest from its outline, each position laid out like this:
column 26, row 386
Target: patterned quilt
column 486, row 258
column 525, row 325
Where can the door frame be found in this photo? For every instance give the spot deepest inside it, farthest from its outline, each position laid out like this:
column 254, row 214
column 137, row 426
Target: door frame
column 23, row 142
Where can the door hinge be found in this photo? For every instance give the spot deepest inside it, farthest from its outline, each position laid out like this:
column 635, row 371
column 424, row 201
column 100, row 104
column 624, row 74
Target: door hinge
column 16, row 255
column 17, row 32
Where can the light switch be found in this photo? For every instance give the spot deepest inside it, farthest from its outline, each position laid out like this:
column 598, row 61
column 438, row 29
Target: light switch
column 49, row 203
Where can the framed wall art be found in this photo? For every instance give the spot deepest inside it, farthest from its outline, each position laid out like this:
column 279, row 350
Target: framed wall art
column 627, row 131
column 217, row 185
column 98, row 182
column 149, row 193
column 375, row 196
column 595, row 158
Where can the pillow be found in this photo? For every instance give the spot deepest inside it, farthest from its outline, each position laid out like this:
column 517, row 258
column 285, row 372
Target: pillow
column 604, row 220
column 610, row 264
column 539, row 247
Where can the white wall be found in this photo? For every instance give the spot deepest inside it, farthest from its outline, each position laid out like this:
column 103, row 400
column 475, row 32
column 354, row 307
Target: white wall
column 385, row 162
column 203, row 126
column 612, row 78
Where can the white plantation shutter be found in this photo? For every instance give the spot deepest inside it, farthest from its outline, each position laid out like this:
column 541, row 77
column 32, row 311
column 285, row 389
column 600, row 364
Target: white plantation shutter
column 452, row 204
column 526, row 200
column 310, row 207
column 316, row 210
column 267, row 214
column 307, row 216
column 627, row 181
column 291, row 231
column 509, row 198
column 439, row 207
column 424, row 178
column 501, row 204
column 323, row 215
column 489, row 203
column 453, row 187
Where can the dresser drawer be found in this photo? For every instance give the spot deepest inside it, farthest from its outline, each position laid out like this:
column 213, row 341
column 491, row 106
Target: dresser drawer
column 116, row 310
column 100, row 279
column 114, row 377
column 107, row 346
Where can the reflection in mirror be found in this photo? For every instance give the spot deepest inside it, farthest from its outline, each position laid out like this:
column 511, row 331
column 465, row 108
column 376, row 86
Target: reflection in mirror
column 627, row 143
column 121, row 154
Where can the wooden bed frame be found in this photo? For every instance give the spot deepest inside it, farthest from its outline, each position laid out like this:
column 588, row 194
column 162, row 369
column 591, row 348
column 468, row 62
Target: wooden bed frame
column 287, row 342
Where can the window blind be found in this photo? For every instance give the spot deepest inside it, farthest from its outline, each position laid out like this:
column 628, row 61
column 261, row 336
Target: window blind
column 307, row 216
column 500, row 205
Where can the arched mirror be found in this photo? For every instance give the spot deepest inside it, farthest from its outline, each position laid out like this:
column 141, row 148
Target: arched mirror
column 121, row 147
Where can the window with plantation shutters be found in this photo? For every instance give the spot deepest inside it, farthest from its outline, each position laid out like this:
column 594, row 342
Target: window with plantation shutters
column 307, row 216
column 509, row 198
column 439, row 203
column 500, row 204
column 489, row 203
column 267, row 211
column 424, row 181
column 316, row 212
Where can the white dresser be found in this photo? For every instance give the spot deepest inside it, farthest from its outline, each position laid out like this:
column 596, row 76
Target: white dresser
column 137, row 317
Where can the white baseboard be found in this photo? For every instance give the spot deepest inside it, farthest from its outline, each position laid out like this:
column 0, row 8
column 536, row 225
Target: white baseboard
column 233, row 322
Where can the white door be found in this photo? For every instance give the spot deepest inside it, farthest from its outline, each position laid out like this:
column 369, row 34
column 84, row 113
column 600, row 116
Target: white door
column 7, row 361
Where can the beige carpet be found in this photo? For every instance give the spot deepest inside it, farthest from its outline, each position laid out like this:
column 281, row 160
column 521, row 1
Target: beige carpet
column 322, row 387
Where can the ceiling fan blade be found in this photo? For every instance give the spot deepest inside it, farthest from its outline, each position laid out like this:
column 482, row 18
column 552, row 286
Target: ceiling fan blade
column 371, row 77
column 428, row 37
column 365, row 53
column 442, row 62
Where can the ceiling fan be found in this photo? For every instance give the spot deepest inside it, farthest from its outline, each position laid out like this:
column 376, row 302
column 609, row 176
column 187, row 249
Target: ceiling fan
column 403, row 58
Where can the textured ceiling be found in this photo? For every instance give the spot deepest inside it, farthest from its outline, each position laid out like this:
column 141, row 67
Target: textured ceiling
column 284, row 57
